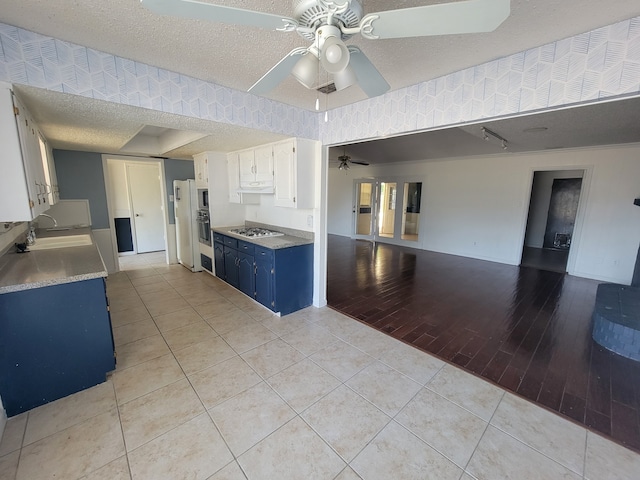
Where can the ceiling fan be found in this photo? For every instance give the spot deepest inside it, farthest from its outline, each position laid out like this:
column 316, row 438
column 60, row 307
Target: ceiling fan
column 345, row 161
column 327, row 23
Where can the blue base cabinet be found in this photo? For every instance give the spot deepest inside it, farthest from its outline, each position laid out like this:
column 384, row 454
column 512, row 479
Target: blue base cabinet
column 231, row 268
column 218, row 256
column 246, row 280
column 280, row 279
column 54, row 341
column 288, row 285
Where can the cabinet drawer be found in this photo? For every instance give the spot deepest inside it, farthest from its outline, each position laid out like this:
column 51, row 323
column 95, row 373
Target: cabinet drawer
column 217, row 237
column 206, row 262
column 263, row 253
column 231, row 242
column 246, row 247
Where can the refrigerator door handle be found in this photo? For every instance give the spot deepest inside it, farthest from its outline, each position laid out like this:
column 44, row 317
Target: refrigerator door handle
column 177, row 193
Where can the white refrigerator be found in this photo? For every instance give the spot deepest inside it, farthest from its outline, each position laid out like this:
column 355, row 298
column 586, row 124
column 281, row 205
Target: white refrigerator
column 185, row 200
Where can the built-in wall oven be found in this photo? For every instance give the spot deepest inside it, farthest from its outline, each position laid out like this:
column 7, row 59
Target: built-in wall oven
column 204, row 226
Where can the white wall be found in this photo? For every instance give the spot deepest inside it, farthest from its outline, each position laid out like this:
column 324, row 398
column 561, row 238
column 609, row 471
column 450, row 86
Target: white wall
column 266, row 212
column 340, row 199
column 477, row 207
column 540, row 201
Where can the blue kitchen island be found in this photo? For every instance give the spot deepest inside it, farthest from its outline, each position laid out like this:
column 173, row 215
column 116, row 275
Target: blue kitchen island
column 55, row 327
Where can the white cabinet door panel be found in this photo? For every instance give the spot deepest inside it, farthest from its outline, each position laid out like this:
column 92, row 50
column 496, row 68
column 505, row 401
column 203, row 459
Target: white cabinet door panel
column 285, row 174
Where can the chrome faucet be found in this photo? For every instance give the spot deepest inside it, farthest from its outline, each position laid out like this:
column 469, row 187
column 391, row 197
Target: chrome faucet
column 31, row 235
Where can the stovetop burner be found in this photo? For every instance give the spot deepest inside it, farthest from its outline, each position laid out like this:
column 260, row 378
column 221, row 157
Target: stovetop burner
column 253, row 232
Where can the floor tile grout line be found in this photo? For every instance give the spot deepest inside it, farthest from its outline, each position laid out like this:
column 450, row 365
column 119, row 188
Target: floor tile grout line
column 486, row 428
column 536, row 450
column 24, row 434
column 124, row 441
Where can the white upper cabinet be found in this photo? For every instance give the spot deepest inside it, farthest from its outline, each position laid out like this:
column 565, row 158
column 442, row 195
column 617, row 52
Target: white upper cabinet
column 263, row 160
column 233, row 173
column 201, row 169
column 294, row 163
column 25, row 190
column 255, row 169
column 285, row 169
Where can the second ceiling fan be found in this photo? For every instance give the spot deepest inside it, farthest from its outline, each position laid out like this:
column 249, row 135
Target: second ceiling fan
column 328, row 23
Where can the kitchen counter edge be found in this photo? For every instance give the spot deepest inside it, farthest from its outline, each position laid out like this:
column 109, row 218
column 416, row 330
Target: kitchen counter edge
column 274, row 243
column 55, row 266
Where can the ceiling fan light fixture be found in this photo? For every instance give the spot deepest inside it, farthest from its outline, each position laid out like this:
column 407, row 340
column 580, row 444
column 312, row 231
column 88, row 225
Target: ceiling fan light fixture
column 334, row 54
column 306, row 70
column 345, row 78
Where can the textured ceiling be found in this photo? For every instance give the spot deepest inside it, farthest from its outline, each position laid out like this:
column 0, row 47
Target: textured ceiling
column 71, row 122
column 236, row 57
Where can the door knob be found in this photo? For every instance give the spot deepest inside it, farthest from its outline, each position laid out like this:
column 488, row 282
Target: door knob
column 137, row 215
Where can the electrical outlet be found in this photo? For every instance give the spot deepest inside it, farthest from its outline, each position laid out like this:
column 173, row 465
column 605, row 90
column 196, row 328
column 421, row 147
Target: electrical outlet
column 171, row 198
column 310, row 220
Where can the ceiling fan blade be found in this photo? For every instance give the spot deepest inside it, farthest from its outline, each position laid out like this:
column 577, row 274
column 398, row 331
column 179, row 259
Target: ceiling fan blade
column 219, row 13
column 278, row 72
column 369, row 78
column 358, row 163
column 468, row 16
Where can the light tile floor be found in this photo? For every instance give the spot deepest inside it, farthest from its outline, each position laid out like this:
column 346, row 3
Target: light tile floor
column 212, row 386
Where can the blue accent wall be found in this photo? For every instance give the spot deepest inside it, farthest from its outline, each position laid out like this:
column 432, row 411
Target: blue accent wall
column 80, row 176
column 176, row 170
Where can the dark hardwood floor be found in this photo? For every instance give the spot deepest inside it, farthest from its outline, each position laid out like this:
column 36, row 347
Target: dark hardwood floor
column 545, row 259
column 525, row 329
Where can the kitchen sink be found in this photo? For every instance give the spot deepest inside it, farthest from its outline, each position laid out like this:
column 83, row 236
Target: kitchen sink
column 47, row 243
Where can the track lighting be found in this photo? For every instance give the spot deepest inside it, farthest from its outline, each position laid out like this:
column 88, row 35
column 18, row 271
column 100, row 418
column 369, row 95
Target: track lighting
column 488, row 134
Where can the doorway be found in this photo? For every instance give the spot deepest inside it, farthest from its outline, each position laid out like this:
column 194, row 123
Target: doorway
column 137, row 210
column 364, row 208
column 376, row 206
column 553, row 208
column 146, row 206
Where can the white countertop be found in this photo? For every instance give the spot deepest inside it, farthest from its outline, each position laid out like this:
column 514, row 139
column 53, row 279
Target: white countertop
column 41, row 268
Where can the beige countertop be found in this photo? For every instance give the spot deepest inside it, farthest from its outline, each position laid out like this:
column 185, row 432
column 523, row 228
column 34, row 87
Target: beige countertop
column 291, row 238
column 41, row 268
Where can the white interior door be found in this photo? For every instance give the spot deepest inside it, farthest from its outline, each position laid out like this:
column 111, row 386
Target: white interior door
column 146, row 202
column 364, row 209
